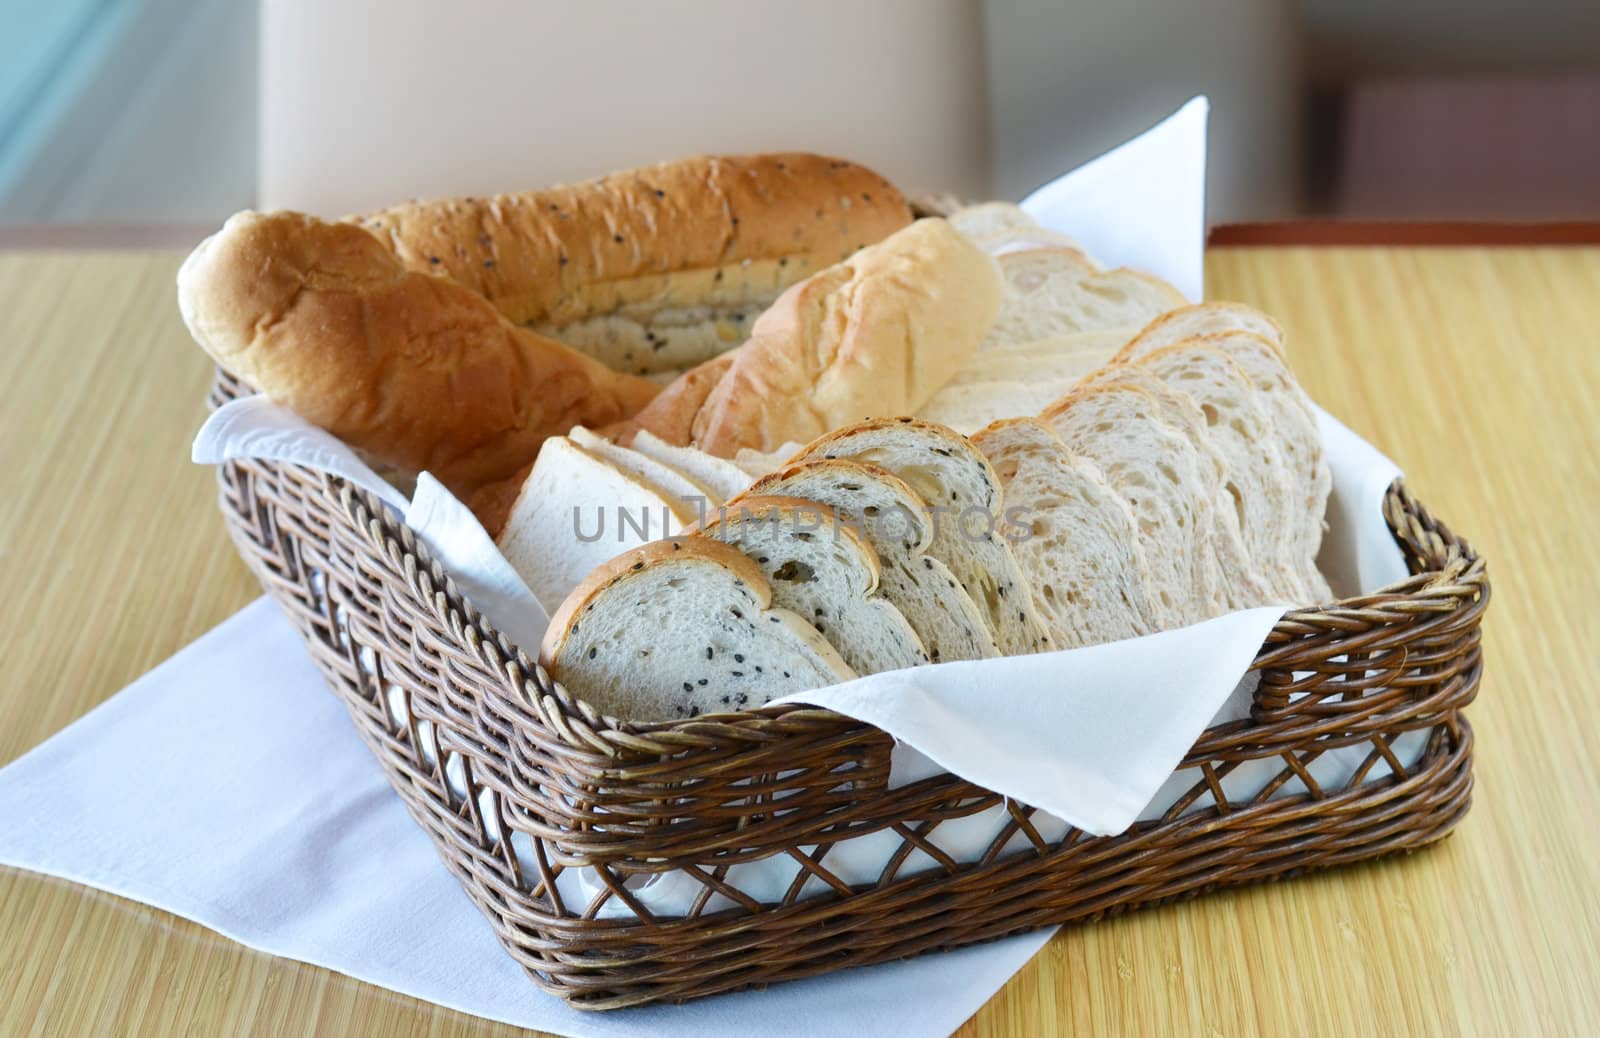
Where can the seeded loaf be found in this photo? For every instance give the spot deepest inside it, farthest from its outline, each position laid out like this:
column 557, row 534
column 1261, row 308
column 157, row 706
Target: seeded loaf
column 416, row 371
column 893, row 519
column 720, row 477
column 820, row 568
column 876, row 334
column 728, row 648
column 963, row 495
column 656, row 268
column 1051, row 292
column 575, row 511
column 1074, row 538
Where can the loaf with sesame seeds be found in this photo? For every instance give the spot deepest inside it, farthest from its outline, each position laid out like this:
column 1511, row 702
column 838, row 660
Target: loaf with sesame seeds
column 730, row 647
column 652, row 269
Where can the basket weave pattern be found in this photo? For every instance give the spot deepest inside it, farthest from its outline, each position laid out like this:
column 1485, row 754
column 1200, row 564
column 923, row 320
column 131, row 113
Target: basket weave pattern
column 516, row 781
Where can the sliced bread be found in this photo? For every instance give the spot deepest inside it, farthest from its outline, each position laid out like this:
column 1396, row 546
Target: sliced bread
column 1167, row 484
column 1074, row 538
column 680, row 628
column 1019, row 380
column 1054, row 291
column 719, row 477
column 822, row 569
column 1294, row 426
column 576, row 511
column 1201, row 319
column 963, row 496
column 1258, row 483
column 674, row 485
column 894, row 520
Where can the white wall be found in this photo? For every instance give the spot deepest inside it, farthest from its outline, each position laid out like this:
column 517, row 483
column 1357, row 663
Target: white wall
column 1070, row 78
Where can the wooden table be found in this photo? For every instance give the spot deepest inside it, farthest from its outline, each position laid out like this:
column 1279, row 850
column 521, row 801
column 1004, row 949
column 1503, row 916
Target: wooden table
column 1478, row 369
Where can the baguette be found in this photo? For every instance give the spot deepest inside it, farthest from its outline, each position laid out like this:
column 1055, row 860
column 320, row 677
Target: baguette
column 651, row 269
column 416, row 371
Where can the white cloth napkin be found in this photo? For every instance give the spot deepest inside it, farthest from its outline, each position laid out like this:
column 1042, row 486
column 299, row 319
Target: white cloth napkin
column 229, row 787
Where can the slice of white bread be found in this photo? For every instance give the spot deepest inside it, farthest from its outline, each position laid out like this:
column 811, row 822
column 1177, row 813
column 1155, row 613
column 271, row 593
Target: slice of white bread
column 820, row 568
column 720, row 477
column 764, row 463
column 1294, row 428
column 1020, row 380
column 690, row 494
column 999, row 227
column 680, row 628
column 1164, row 480
column 1202, row 319
column 1221, row 556
column 1074, row 538
column 894, row 520
column 1053, row 292
column 963, row 495
column 576, row 511
column 1259, row 484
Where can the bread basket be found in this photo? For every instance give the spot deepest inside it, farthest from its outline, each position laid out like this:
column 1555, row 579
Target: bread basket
column 517, row 782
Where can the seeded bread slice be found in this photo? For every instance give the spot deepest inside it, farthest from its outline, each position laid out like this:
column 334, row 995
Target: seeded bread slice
column 894, row 520
column 1164, row 480
column 719, row 477
column 1201, row 319
column 680, row 628
column 1224, row 562
column 1054, row 291
column 576, row 511
column 1074, row 538
column 822, row 569
column 963, row 494
column 1258, row 481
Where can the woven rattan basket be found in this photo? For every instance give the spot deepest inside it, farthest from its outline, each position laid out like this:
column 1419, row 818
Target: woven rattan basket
column 517, row 782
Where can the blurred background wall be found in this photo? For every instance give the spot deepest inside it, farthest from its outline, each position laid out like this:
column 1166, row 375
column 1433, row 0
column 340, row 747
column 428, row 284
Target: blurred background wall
column 172, row 112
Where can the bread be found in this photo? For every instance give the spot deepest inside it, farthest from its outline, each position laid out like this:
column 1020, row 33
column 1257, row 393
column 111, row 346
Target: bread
column 1294, row 428
column 575, row 511
column 1156, row 470
column 679, row 628
column 721, row 478
column 1056, row 291
column 1222, row 562
column 1258, row 482
column 963, row 495
column 1074, row 538
column 893, row 519
column 1019, row 380
column 686, row 494
column 416, row 371
column 876, row 334
column 820, row 568
column 656, row 268
column 997, row 227
column 763, row 463
column 1202, row 319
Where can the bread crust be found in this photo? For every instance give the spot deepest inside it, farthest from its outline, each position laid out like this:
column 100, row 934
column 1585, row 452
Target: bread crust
column 708, row 230
column 418, row 371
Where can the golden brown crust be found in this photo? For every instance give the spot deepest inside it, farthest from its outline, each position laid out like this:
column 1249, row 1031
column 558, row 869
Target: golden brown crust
column 565, row 253
column 671, row 549
column 876, row 334
column 670, row 416
column 418, row 371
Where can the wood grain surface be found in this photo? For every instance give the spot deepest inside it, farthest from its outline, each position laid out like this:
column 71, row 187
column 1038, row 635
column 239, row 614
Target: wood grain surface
column 1477, row 369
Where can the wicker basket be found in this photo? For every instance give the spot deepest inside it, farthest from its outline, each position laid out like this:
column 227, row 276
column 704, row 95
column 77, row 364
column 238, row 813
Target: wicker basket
column 516, row 781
